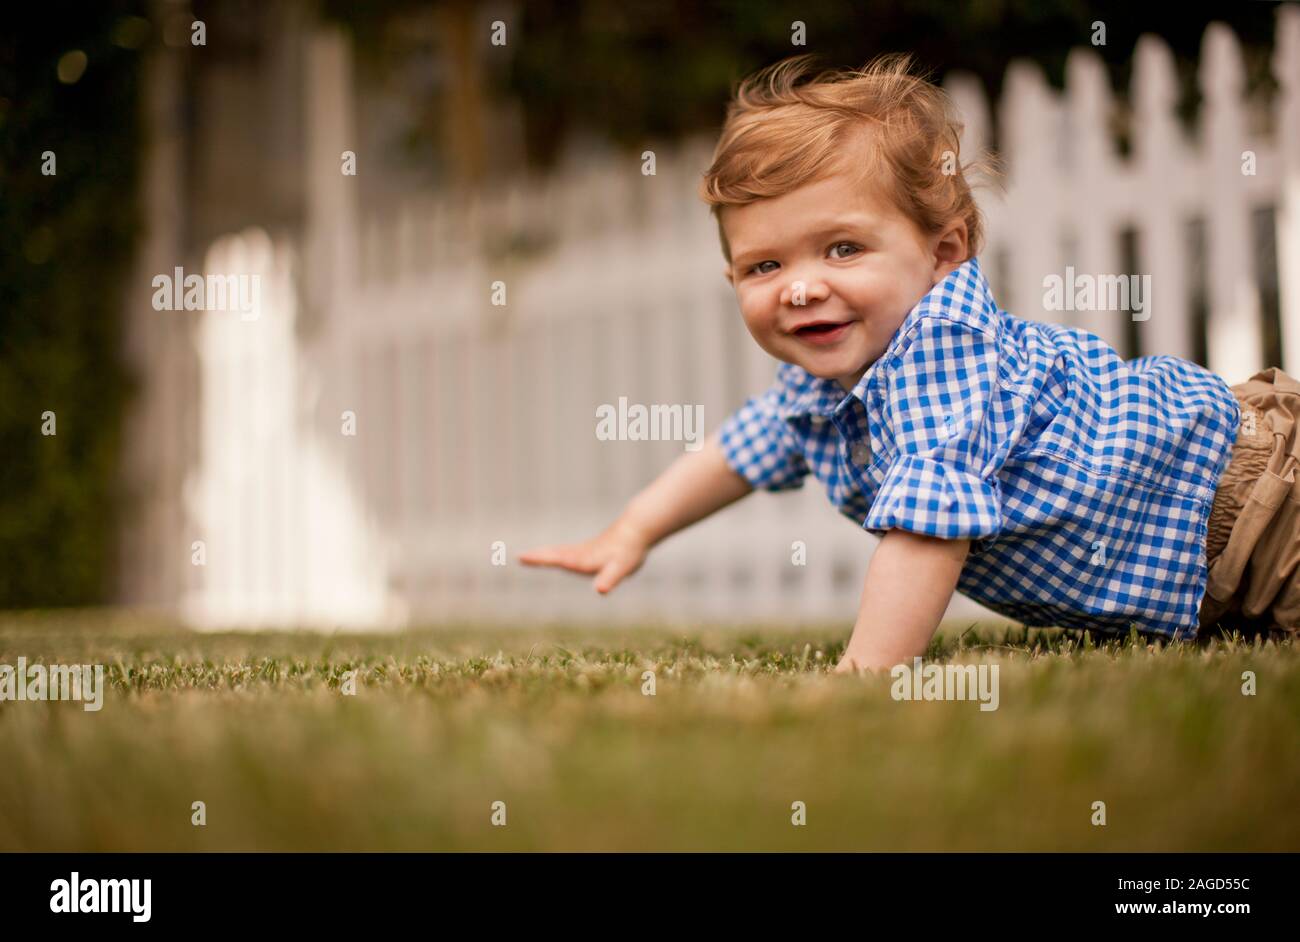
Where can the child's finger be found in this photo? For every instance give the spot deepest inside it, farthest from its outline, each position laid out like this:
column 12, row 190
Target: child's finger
column 567, row 557
column 610, row 575
column 542, row 556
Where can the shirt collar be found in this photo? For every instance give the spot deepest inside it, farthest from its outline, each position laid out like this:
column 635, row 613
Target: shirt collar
column 963, row 295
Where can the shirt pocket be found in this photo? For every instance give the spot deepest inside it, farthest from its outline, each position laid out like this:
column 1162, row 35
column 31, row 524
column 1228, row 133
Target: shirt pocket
column 1053, row 426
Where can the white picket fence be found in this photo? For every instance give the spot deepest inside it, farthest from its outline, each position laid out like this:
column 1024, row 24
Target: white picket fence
column 475, row 423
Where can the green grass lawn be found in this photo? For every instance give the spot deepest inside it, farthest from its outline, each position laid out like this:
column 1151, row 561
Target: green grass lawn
column 553, row 722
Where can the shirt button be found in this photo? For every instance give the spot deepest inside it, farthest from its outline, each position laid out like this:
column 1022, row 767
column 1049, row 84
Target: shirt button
column 861, row 453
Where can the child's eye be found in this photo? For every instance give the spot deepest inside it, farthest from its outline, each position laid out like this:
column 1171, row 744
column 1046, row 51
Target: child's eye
column 755, row 267
column 839, row 244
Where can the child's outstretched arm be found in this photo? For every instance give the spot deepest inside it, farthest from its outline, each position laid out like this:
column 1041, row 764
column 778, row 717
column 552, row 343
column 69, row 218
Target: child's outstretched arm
column 909, row 583
column 692, row 487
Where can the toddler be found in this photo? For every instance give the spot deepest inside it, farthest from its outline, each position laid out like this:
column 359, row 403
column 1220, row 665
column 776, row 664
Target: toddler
column 1025, row 464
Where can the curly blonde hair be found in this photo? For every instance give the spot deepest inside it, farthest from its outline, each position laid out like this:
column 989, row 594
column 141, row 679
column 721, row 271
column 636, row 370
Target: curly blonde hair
column 782, row 132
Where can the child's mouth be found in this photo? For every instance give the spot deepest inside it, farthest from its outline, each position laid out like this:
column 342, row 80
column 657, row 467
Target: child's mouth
column 822, row 333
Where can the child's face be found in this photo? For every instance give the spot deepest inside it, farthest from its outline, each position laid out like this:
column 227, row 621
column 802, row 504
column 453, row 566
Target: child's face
column 863, row 266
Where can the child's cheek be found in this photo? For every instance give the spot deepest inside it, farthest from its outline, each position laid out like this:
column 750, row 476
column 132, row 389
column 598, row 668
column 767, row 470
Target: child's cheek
column 758, row 311
column 754, row 320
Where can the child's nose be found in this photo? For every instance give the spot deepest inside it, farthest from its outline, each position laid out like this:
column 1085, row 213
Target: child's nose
column 801, row 291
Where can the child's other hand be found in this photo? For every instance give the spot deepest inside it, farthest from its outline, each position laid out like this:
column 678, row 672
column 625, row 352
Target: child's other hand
column 614, row 555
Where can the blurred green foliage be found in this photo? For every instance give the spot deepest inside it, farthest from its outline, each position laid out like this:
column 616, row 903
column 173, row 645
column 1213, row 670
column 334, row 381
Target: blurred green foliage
column 639, row 69
column 645, row 68
column 66, row 242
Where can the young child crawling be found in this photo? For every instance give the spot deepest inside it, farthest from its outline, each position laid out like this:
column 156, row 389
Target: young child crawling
column 1026, row 464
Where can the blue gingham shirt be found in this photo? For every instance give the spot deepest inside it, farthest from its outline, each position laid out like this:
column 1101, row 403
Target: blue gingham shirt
column 1084, row 482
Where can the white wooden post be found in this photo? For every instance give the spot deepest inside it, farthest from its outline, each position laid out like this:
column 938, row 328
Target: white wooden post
column 1028, row 120
column 1235, row 344
column 1092, row 172
column 1161, row 171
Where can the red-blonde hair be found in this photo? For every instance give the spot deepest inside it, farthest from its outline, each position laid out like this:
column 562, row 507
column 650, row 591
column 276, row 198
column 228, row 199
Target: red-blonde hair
column 781, row 133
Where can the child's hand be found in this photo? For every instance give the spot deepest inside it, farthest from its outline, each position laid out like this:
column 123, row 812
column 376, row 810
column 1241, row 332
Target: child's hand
column 614, row 555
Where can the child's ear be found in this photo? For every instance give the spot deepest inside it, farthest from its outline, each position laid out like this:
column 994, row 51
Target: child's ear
column 726, row 273
column 950, row 249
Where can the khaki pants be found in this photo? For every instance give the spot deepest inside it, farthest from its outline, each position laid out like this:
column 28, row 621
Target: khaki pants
column 1253, row 543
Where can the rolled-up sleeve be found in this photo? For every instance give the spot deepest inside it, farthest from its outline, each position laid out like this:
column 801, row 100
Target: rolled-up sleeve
column 760, row 446
column 939, row 480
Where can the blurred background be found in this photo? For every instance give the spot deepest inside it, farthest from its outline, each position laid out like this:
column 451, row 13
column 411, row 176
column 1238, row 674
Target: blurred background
column 460, row 254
